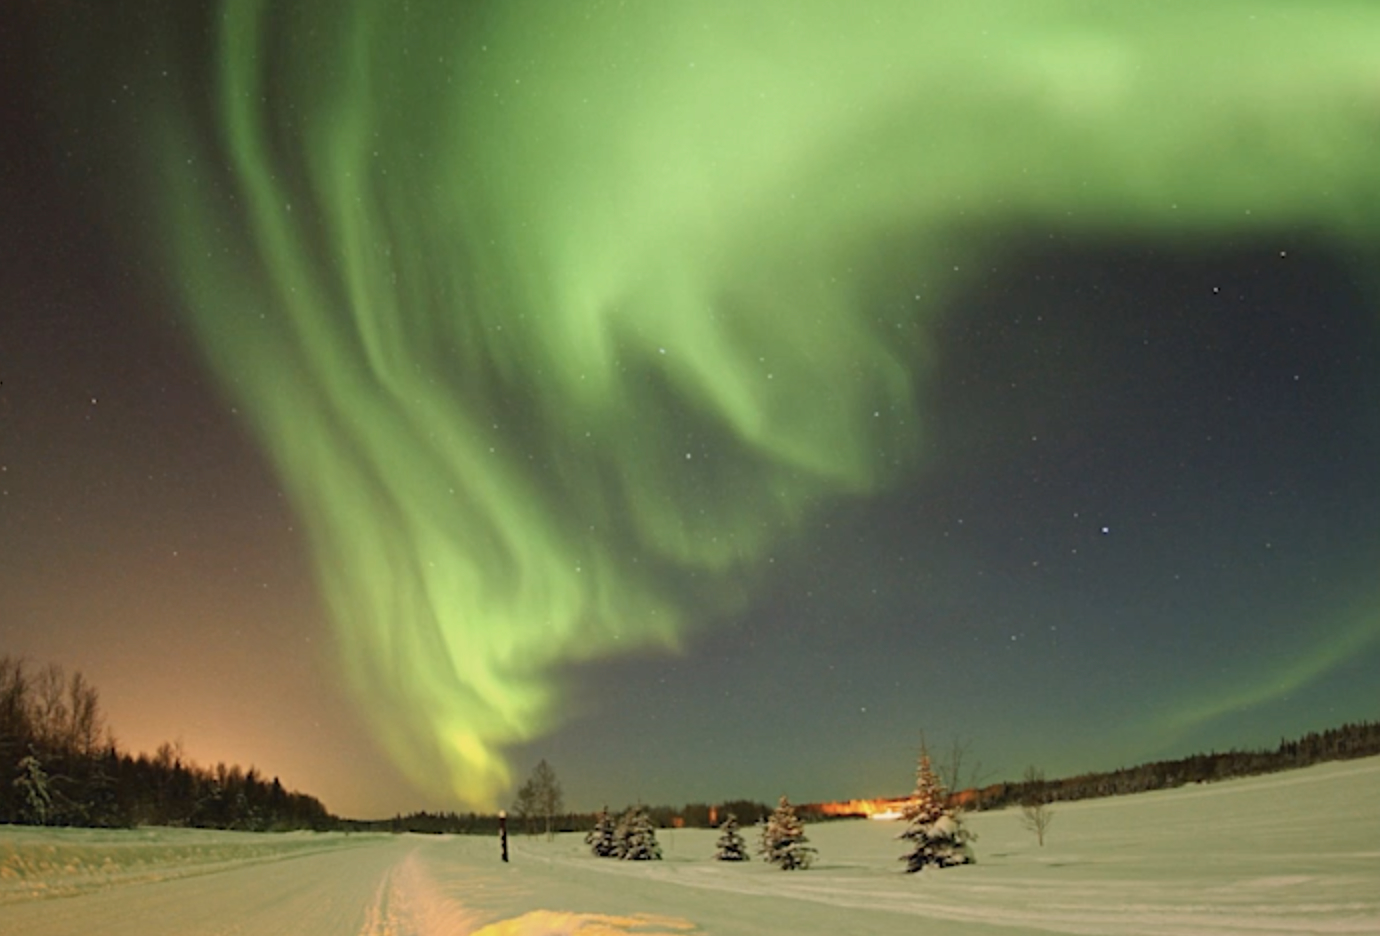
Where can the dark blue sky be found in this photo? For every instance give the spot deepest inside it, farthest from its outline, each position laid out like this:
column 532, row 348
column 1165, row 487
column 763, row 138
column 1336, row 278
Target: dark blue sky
column 1145, row 527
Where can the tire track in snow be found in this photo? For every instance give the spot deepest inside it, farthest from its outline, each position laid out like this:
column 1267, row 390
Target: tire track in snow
column 409, row 902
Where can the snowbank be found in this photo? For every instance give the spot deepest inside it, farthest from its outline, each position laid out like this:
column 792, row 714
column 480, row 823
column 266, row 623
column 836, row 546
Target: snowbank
column 38, row 862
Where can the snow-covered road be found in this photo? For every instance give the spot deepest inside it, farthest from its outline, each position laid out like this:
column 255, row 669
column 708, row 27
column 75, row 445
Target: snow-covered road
column 330, row 891
column 403, row 885
column 1293, row 853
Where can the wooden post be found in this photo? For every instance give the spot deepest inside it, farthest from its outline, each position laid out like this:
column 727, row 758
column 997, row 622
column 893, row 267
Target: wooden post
column 503, row 832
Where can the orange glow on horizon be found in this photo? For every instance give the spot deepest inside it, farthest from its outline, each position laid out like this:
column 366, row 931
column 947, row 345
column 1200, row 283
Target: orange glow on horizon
column 893, row 807
column 890, row 808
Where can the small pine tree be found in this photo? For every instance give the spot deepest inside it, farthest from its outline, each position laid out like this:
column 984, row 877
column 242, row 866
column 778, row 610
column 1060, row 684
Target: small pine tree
column 731, row 845
column 35, row 796
column 601, row 839
column 783, row 839
column 936, row 832
column 638, row 842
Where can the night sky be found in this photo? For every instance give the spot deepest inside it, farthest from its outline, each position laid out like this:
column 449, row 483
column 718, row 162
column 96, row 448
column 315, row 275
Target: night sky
column 395, row 394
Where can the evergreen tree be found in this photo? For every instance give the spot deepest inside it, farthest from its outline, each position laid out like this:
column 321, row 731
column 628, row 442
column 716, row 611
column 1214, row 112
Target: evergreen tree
column 638, row 842
column 783, row 839
column 731, row 845
column 621, row 830
column 104, row 807
column 936, row 832
column 54, row 769
column 35, row 797
column 601, row 839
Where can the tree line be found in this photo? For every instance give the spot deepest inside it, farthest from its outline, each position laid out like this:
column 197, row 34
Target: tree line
column 537, row 806
column 538, row 809
column 1352, row 740
column 59, row 766
column 689, row 816
column 539, row 802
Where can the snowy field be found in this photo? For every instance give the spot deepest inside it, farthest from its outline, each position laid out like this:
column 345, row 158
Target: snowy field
column 1292, row 853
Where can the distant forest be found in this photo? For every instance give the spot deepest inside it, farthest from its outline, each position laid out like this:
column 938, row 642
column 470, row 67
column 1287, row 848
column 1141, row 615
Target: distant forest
column 692, row 815
column 1349, row 741
column 59, row 767
column 1361, row 739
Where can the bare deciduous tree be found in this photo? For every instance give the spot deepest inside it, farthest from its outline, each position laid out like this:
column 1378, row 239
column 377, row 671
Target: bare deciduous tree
column 14, row 708
column 549, row 796
column 957, row 770
column 1035, row 811
column 49, row 715
column 84, row 711
column 539, row 797
column 525, row 805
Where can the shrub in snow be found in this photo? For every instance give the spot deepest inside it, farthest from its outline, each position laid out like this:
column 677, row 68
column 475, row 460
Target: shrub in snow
column 635, row 837
column 935, row 831
column 601, row 838
column 731, row 845
column 783, row 839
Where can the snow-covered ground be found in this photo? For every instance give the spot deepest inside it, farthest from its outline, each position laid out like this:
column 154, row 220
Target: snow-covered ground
column 1292, row 853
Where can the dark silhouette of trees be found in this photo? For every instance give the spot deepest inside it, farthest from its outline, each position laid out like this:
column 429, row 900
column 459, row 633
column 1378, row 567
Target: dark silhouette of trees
column 749, row 812
column 425, row 823
column 59, row 766
column 1352, row 740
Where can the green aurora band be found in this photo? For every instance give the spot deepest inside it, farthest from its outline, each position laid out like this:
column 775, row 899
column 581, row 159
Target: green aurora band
column 555, row 317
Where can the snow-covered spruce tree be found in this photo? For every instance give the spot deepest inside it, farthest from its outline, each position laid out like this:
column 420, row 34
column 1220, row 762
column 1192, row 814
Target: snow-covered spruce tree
column 935, row 831
column 783, row 839
column 639, row 839
column 621, row 830
column 32, row 785
column 731, row 845
column 601, row 838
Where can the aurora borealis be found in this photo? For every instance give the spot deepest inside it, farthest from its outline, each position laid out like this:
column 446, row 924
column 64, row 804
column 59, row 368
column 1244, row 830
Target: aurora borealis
column 652, row 382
